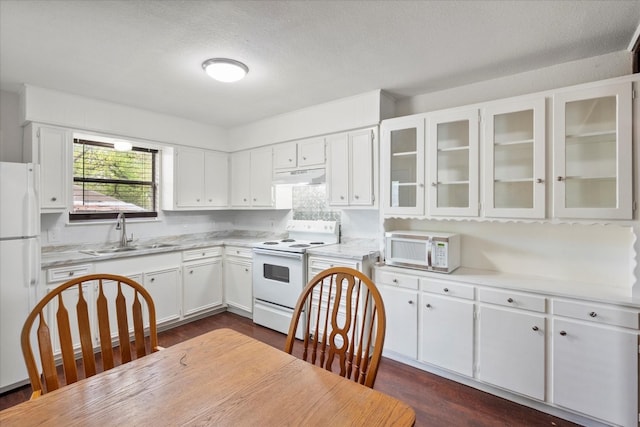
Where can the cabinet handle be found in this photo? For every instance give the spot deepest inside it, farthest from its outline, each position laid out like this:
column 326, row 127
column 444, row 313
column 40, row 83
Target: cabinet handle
column 304, row 158
column 535, row 328
column 428, row 305
column 204, row 253
column 237, row 252
column 246, row 270
column 153, row 279
column 197, row 200
column 254, row 199
column 510, row 300
column 539, row 180
column 53, row 199
column 71, row 273
column 394, row 280
column 446, row 289
column 356, row 197
column 433, row 184
column 410, row 301
column 190, row 272
column 341, row 197
column 211, row 200
column 560, row 179
column 593, row 314
column 421, row 185
column 290, row 160
column 563, row 333
column 244, row 200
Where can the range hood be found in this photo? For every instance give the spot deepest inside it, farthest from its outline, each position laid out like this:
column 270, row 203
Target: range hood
column 300, row 176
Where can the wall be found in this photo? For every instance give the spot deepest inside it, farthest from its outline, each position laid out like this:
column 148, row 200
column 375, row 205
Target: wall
column 568, row 74
column 10, row 130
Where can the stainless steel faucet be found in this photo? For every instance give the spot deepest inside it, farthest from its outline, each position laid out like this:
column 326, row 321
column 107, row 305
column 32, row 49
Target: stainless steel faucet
column 122, row 226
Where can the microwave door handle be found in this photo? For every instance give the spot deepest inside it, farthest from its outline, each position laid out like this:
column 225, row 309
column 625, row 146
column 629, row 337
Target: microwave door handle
column 429, row 254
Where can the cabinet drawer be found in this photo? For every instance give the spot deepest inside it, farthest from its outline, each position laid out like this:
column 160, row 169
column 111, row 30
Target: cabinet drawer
column 238, row 251
column 513, row 299
column 394, row 279
column 319, row 264
column 201, row 253
column 451, row 289
column 62, row 274
column 597, row 313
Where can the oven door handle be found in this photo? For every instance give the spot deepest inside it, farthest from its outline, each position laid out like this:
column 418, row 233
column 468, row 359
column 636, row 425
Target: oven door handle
column 278, row 253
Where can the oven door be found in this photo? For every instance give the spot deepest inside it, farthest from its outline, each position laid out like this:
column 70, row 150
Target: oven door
column 278, row 277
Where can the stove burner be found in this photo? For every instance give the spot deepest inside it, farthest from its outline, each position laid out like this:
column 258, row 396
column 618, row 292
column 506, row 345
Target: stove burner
column 287, row 240
column 271, row 243
column 316, row 243
column 299, row 245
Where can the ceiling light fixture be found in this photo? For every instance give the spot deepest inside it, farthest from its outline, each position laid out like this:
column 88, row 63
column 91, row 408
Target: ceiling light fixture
column 225, row 70
column 122, row 146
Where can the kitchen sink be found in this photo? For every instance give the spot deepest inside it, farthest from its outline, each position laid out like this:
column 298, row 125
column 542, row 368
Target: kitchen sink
column 117, row 249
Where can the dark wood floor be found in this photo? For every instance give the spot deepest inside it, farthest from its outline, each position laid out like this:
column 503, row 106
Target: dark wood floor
column 437, row 401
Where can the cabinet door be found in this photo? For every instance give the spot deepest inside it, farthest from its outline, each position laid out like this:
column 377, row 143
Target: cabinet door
column 285, row 156
column 453, row 163
column 216, row 179
column 238, row 289
column 401, row 307
column 241, row 178
column 446, row 333
column 338, row 176
column 261, row 177
column 54, row 157
column 592, row 153
column 402, row 163
column 70, row 299
column 164, row 287
column 595, row 371
column 514, row 160
column 511, row 351
column 110, row 292
column 189, row 177
column 361, row 162
column 202, row 286
column 311, row 152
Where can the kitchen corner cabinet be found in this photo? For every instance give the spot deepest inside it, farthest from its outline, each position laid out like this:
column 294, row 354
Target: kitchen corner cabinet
column 201, row 280
column 402, row 166
column 351, row 168
column 51, row 148
column 238, row 279
column 452, row 151
column 251, row 178
column 299, row 154
column 592, row 152
column 514, row 159
column 195, row 179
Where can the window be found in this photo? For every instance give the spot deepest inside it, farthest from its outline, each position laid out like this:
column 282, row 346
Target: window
column 107, row 182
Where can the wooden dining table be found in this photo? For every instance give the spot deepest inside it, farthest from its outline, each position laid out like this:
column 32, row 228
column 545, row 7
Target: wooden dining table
column 221, row 378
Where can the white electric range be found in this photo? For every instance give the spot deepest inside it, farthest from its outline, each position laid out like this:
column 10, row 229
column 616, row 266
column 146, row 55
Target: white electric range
column 280, row 270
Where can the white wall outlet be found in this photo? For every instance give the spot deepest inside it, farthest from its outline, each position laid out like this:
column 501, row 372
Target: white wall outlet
column 53, row 235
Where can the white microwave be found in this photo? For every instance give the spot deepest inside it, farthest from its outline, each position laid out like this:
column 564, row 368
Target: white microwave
column 423, row 250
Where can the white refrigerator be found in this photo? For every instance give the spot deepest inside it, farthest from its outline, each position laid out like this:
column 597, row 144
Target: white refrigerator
column 19, row 263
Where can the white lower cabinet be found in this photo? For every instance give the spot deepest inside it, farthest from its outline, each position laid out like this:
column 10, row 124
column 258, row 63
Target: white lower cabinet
column 238, row 278
column 201, row 285
column 446, row 333
column 164, row 287
column 400, row 297
column 595, row 371
column 511, row 350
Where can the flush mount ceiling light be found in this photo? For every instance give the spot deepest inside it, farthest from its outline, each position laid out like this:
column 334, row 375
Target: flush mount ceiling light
column 122, row 146
column 225, row 70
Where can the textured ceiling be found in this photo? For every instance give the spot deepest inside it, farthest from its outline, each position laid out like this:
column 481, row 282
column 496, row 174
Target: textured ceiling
column 148, row 54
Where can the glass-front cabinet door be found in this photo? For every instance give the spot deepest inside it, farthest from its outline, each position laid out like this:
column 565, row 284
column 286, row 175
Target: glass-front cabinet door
column 592, row 153
column 453, row 163
column 514, row 159
column 403, row 165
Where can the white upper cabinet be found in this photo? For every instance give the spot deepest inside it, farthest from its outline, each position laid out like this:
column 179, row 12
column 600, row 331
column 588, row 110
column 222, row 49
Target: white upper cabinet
column 402, row 166
column 252, row 178
column 51, row 148
column 514, row 159
column 351, row 168
column 453, row 162
column 592, row 153
column 200, row 179
column 299, row 154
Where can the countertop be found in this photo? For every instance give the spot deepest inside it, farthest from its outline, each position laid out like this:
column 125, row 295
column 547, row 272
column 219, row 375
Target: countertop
column 538, row 285
column 357, row 249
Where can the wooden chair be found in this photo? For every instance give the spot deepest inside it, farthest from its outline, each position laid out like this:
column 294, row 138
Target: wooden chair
column 116, row 299
column 341, row 315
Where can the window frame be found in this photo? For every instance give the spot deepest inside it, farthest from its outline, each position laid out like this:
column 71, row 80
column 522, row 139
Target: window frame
column 88, row 216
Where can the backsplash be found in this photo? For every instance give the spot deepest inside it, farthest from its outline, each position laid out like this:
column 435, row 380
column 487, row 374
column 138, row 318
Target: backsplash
column 310, row 203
